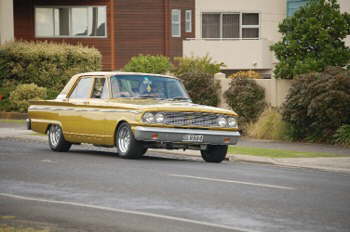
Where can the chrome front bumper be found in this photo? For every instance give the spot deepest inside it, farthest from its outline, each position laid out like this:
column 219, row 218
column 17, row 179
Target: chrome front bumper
column 175, row 135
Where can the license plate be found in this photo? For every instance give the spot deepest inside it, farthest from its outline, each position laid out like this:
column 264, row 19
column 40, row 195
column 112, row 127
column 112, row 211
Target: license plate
column 193, row 138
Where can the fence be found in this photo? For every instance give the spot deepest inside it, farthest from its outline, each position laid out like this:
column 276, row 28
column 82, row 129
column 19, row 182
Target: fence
column 275, row 90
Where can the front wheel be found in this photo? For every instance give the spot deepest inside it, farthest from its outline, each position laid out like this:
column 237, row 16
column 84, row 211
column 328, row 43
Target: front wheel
column 127, row 146
column 214, row 153
column 56, row 139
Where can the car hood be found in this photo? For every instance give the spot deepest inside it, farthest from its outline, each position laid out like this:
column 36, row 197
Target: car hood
column 166, row 105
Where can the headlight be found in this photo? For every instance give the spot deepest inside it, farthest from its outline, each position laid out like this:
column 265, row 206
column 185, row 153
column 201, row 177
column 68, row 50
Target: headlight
column 159, row 117
column 148, row 117
column 232, row 122
column 222, row 122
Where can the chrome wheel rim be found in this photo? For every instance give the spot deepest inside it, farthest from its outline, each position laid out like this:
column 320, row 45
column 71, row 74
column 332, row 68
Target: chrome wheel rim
column 55, row 135
column 124, row 139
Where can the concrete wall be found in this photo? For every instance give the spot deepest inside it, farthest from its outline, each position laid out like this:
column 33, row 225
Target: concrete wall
column 6, row 21
column 275, row 90
column 233, row 53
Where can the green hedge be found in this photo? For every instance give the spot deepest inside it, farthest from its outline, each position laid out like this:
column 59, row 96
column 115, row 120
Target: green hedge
column 21, row 96
column 148, row 64
column 45, row 64
column 194, row 64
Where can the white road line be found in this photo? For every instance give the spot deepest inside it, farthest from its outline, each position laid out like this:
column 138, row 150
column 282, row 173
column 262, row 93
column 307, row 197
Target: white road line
column 234, row 181
column 125, row 212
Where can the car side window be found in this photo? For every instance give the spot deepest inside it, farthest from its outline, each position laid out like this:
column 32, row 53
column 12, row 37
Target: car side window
column 100, row 88
column 83, row 88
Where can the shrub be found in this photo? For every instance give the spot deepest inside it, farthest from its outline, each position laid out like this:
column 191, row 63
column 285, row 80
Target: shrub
column 247, row 98
column 196, row 65
column 246, row 74
column 23, row 93
column 269, row 126
column 202, row 88
column 45, row 64
column 148, row 64
column 318, row 104
column 342, row 135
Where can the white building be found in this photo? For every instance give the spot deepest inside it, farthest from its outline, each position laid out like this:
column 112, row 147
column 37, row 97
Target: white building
column 239, row 33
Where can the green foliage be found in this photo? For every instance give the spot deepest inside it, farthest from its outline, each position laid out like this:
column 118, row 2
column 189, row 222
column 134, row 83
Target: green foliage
column 312, row 39
column 318, row 104
column 51, row 94
column 21, row 96
column 5, row 104
column 196, row 65
column 269, row 126
column 247, row 98
column 45, row 64
column 202, row 88
column 342, row 135
column 148, row 64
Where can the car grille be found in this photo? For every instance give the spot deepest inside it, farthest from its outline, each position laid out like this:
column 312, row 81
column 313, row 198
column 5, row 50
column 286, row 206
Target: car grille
column 191, row 119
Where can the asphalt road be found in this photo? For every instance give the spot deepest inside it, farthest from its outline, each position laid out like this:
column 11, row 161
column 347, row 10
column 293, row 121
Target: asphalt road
column 90, row 189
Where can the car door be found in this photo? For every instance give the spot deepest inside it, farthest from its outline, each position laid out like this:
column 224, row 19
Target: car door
column 84, row 120
column 75, row 119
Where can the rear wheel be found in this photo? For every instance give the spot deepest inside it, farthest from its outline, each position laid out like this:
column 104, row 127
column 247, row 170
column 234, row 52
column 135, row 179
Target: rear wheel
column 56, row 139
column 128, row 147
column 214, row 153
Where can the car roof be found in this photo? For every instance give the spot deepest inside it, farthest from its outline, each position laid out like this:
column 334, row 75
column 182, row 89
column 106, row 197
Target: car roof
column 112, row 73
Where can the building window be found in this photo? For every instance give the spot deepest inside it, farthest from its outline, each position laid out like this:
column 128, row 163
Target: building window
column 230, row 25
column 176, row 23
column 188, row 21
column 70, row 21
column 294, row 5
column 250, row 26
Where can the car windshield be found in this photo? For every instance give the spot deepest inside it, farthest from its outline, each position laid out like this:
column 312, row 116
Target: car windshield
column 147, row 86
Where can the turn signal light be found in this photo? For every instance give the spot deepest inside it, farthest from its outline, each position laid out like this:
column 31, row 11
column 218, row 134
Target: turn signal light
column 227, row 140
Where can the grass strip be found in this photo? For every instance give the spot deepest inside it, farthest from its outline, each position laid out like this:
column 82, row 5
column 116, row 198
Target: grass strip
column 276, row 153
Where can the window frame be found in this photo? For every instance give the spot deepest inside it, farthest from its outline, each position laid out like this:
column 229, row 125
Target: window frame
column 77, row 83
column 188, row 21
column 94, row 77
column 241, row 26
column 70, row 21
column 249, row 26
column 179, row 23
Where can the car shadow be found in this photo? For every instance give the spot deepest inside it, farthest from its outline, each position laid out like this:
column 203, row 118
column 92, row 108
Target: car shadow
column 147, row 157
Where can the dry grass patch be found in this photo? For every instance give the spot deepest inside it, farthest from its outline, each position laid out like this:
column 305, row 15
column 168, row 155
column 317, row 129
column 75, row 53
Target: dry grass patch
column 269, row 126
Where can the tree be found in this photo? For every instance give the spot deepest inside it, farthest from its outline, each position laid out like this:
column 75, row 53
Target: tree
column 312, row 39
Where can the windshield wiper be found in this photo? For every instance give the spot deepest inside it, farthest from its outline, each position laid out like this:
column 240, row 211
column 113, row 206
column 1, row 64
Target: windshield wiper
column 179, row 98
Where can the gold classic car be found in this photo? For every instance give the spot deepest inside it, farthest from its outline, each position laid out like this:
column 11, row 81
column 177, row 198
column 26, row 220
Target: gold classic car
column 132, row 112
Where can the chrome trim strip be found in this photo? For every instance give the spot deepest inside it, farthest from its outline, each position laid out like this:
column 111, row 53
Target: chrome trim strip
column 47, row 108
column 187, row 131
